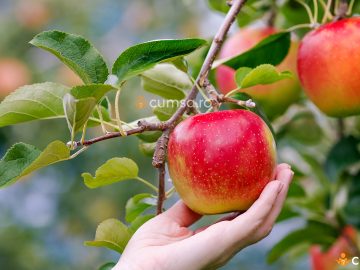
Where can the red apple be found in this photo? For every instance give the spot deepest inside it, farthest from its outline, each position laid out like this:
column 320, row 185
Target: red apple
column 13, row 74
column 327, row 260
column 328, row 66
column 274, row 98
column 220, row 162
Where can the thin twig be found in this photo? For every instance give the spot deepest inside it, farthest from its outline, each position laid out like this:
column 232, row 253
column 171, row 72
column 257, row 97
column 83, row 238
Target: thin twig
column 161, row 188
column 342, row 9
column 340, row 128
column 142, row 127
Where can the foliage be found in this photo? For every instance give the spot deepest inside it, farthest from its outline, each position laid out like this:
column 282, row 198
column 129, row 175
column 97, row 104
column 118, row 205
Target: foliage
column 327, row 177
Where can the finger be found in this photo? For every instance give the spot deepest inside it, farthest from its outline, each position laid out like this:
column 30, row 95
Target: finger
column 281, row 167
column 181, row 214
column 227, row 236
column 258, row 212
column 225, row 218
column 285, row 176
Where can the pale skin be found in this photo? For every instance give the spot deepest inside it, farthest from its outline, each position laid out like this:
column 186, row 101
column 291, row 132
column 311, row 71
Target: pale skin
column 166, row 242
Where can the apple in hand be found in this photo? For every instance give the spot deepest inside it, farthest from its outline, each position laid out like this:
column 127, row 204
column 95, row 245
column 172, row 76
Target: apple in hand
column 220, row 162
column 328, row 66
column 274, row 98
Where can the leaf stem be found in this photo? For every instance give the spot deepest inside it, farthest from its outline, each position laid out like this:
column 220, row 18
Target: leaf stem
column 117, row 113
column 78, row 152
column 299, row 26
column 308, row 10
column 98, row 108
column 327, row 11
column 147, row 183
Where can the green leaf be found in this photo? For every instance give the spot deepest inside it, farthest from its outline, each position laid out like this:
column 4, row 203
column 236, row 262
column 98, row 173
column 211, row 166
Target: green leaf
column 351, row 211
column 114, row 170
column 181, row 64
column 286, row 213
column 96, row 91
column 22, row 159
column 241, row 74
column 112, row 234
column 76, row 52
column 137, row 205
column 149, row 136
column 165, row 112
column 139, row 58
column 138, row 222
column 263, row 74
column 148, row 149
column 271, row 50
column 342, row 155
column 251, row 12
column 313, row 233
column 220, row 6
column 94, row 120
column 167, row 81
column 107, row 266
column 77, row 111
column 294, row 129
column 33, row 102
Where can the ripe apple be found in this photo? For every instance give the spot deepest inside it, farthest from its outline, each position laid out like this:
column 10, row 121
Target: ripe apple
column 274, row 98
column 33, row 14
column 327, row 260
column 328, row 66
column 220, row 162
column 13, row 74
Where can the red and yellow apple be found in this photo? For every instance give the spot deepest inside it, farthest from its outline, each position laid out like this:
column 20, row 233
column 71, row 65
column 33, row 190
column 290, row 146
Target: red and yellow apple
column 328, row 67
column 274, row 98
column 13, row 74
column 220, row 162
column 321, row 260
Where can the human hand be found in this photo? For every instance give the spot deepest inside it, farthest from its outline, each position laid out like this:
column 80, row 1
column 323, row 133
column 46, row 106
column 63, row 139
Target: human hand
column 166, row 242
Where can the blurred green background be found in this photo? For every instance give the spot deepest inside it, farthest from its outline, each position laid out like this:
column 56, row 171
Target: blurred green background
column 45, row 218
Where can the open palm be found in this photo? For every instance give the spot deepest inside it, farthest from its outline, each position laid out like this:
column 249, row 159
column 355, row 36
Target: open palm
column 166, row 242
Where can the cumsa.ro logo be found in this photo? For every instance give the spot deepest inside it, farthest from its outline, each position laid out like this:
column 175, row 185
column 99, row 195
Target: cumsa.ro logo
column 343, row 260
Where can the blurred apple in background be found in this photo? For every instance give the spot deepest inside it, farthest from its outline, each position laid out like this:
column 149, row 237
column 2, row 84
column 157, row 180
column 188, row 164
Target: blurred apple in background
column 327, row 260
column 68, row 77
column 13, row 74
column 274, row 98
column 33, row 14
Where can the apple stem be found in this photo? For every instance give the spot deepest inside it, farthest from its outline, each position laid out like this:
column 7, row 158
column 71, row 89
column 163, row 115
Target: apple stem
column 161, row 187
column 342, row 10
column 340, row 128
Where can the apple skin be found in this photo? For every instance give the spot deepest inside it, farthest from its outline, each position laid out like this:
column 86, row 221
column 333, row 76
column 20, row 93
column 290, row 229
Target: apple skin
column 327, row 260
column 274, row 98
column 328, row 67
column 220, row 162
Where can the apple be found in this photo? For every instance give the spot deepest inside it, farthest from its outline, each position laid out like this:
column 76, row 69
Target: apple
column 13, row 74
column 274, row 98
column 33, row 14
column 328, row 67
column 327, row 260
column 220, row 162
